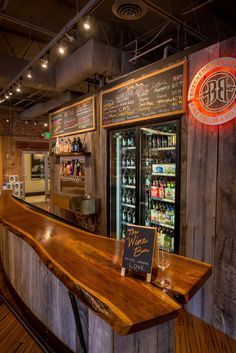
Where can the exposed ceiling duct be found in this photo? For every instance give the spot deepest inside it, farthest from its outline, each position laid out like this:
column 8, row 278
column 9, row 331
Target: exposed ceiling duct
column 92, row 58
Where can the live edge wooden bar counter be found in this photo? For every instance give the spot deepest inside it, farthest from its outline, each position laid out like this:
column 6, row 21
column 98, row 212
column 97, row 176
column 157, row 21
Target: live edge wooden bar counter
column 44, row 258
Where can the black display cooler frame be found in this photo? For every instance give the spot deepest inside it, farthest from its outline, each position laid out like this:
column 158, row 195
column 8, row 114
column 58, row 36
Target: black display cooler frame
column 137, row 126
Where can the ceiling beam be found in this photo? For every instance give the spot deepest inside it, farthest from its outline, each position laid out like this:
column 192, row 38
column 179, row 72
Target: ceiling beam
column 168, row 16
column 27, row 25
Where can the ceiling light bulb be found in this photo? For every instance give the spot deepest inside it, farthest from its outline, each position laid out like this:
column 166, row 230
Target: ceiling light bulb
column 29, row 74
column 18, row 89
column 35, row 123
column 45, row 124
column 6, row 96
column 61, row 50
column 10, row 93
column 86, row 25
column 7, row 121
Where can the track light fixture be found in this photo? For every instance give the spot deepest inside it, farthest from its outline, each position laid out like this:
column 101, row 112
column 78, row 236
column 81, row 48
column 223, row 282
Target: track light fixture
column 61, row 49
column 70, row 37
column 86, row 24
column 29, row 73
column 18, row 86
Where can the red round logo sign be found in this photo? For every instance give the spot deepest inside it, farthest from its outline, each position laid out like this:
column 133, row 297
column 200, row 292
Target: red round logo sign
column 212, row 92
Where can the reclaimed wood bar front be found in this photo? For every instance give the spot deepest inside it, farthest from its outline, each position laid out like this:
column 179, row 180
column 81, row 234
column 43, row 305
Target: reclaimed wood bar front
column 44, row 258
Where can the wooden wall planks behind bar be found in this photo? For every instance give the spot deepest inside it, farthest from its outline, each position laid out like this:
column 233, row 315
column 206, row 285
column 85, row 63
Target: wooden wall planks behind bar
column 209, row 228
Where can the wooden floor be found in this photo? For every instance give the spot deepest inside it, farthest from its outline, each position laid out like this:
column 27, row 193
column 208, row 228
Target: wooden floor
column 192, row 335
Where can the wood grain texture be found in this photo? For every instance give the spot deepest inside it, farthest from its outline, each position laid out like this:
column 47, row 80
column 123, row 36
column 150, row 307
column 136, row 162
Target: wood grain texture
column 210, row 205
column 33, row 281
column 103, row 339
column 224, row 314
column 90, row 265
column 202, row 143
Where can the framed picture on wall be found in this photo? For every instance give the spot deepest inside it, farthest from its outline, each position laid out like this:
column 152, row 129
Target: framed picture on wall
column 37, row 166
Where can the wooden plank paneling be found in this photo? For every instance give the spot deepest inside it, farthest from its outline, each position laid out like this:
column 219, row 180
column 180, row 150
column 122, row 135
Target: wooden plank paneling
column 224, row 314
column 202, row 147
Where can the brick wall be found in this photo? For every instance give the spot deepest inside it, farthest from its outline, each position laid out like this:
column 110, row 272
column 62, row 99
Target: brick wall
column 13, row 131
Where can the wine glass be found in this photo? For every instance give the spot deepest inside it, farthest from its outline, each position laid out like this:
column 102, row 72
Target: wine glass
column 163, row 261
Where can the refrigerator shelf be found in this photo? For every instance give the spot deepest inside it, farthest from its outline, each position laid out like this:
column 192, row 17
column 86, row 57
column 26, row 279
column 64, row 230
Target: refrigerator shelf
column 164, row 200
column 162, row 224
column 127, row 205
column 126, row 223
column 130, row 167
column 162, row 149
column 128, row 186
column 128, row 148
column 163, row 174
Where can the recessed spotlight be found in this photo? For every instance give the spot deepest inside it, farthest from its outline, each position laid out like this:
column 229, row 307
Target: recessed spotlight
column 7, row 120
column 26, row 122
column 35, row 123
column 18, row 89
column 10, row 93
column 45, row 124
column 6, row 96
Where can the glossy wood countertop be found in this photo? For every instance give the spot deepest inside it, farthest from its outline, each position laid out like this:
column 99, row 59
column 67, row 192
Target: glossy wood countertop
column 89, row 265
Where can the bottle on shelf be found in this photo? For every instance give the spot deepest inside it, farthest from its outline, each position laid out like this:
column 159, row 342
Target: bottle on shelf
column 124, row 215
column 133, row 198
column 132, row 161
column 172, row 241
column 124, row 178
column 128, row 160
column 167, row 240
column 123, row 197
column 130, row 179
column 123, row 160
column 129, row 216
column 133, row 217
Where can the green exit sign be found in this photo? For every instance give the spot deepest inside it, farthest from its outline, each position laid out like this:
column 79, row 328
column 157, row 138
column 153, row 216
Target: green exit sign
column 47, row 135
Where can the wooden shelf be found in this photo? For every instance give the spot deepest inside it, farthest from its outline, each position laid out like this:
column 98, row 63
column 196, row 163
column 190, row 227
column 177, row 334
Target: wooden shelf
column 71, row 154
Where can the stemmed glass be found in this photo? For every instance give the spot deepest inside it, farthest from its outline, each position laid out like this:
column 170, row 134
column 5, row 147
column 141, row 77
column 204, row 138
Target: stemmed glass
column 163, row 261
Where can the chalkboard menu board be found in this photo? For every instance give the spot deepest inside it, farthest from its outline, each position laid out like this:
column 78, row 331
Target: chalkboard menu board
column 77, row 118
column 138, row 249
column 157, row 94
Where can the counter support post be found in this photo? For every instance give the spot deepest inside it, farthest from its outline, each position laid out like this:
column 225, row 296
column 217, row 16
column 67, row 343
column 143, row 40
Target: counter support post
column 78, row 322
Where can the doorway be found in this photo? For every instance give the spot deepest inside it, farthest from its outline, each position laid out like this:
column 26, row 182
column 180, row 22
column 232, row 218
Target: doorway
column 36, row 174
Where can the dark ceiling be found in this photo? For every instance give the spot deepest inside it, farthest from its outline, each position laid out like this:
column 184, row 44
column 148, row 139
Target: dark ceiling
column 28, row 26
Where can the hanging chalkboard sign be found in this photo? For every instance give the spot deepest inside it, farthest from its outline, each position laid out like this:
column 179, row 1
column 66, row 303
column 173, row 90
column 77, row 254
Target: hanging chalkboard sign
column 138, row 250
column 158, row 94
column 74, row 119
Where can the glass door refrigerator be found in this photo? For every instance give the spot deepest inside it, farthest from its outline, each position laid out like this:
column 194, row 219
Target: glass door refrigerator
column 144, row 181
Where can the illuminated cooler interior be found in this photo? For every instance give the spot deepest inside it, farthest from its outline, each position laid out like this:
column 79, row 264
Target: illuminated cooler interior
column 143, row 181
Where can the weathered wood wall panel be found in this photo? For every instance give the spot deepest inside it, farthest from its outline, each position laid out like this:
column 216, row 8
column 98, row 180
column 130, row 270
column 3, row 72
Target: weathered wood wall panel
column 41, row 291
column 224, row 314
column 159, row 339
column 210, row 205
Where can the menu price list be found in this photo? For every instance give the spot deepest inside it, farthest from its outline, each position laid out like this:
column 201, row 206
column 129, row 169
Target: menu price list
column 156, row 95
column 78, row 118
